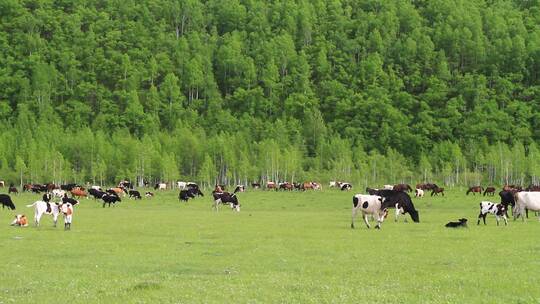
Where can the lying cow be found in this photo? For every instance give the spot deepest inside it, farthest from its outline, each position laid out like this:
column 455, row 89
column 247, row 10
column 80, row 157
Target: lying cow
column 499, row 210
column 369, row 205
column 20, row 220
column 462, row 222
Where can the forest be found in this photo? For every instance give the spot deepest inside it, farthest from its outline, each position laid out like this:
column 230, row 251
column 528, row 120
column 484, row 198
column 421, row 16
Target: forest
column 234, row 91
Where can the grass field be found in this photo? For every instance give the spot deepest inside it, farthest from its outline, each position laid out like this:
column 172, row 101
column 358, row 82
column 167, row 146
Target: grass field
column 281, row 248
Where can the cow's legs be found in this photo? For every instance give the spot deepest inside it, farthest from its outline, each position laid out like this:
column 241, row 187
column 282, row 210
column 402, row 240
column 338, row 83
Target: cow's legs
column 354, row 211
column 497, row 219
column 55, row 218
column 366, row 220
column 505, row 218
column 481, row 216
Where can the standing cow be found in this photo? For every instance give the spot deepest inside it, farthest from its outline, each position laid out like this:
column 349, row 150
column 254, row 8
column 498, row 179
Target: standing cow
column 369, row 205
column 526, row 201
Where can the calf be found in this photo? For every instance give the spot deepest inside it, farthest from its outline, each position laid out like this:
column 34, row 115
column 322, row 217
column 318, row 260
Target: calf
column 20, row 220
column 13, row 190
column 497, row 209
column 149, row 194
column 67, row 211
column 345, row 187
column 419, row 193
column 368, row 204
column 462, row 223
column 134, row 194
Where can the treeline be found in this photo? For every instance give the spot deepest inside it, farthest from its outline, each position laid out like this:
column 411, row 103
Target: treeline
column 232, row 91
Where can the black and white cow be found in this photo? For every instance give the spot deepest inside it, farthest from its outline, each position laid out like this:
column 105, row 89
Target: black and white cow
column 110, row 199
column 97, row 194
column 369, row 205
column 499, row 210
column 134, row 194
column 47, row 197
column 345, row 186
column 226, row 198
column 508, row 200
column 185, row 195
column 6, row 201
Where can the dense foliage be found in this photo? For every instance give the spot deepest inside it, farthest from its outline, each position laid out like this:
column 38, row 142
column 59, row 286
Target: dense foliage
column 239, row 90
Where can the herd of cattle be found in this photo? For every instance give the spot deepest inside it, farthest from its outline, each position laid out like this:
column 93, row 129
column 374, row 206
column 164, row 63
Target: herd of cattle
column 60, row 199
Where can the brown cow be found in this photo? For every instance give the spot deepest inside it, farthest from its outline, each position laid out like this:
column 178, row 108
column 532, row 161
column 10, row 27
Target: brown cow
column 78, row 192
column 436, row 191
column 402, row 187
column 490, row 191
column 271, row 185
column 475, row 189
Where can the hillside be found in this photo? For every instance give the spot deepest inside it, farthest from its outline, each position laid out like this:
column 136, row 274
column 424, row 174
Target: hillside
column 228, row 90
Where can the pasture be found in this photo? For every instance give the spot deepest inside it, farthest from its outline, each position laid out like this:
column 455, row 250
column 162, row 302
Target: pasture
column 281, row 248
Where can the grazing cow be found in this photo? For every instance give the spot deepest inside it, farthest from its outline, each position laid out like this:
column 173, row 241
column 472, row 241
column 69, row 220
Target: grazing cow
column 6, row 201
column 401, row 201
column 20, row 220
column 369, row 205
column 271, row 185
column 436, row 191
column 67, row 211
column 78, row 192
column 41, row 207
column 286, row 186
column 13, row 190
column 149, row 194
column 27, row 187
column 475, row 189
column 72, row 201
column 419, row 193
column 255, row 185
column 226, row 198
column 490, row 191
column 97, row 194
column 134, row 194
column 345, row 186
column 160, row 186
column 462, row 222
column 239, row 188
column 488, row 207
column 117, row 191
column 427, row 186
column 402, row 187
column 185, row 195
column 110, row 199
column 526, row 201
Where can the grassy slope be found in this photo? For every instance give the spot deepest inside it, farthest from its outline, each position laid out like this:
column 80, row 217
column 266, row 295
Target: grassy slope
column 282, row 247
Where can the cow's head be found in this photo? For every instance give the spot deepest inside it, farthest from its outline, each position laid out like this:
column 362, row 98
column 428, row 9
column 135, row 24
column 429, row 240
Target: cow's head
column 414, row 215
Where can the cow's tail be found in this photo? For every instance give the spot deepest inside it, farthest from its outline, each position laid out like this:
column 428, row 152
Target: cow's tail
column 31, row 205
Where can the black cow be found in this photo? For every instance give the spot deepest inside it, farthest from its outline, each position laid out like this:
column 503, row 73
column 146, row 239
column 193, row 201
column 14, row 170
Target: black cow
column 68, row 187
column 96, row 193
column 186, row 194
column 6, row 201
column 70, row 200
column 134, row 194
column 462, row 223
column 399, row 200
column 110, row 199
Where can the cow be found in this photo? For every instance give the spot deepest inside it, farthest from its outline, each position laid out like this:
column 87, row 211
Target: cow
column 475, row 189
column 271, row 185
column 181, row 185
column 372, row 191
column 110, row 199
column 462, row 222
column 427, row 186
column 508, row 199
column 6, row 201
column 78, row 192
column 185, row 195
column 334, row 184
column 255, row 185
column 488, row 207
column 67, row 211
column 419, row 193
column 41, row 208
column 436, row 191
column 286, row 186
column 160, row 186
column 68, row 187
column 526, row 201
column 134, row 194
column 149, row 194
column 20, row 220
column 226, row 198
column 401, row 201
column 489, row 191
column 369, row 205
column 117, row 191
column 125, row 185
column 27, row 187
column 402, row 187
column 97, row 194
column 13, row 190
column 345, row 186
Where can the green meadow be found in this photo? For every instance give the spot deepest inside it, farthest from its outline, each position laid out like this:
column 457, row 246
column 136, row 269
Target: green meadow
column 281, row 248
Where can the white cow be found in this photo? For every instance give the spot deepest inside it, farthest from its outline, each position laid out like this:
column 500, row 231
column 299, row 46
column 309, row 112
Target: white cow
column 67, row 211
column 334, row 184
column 419, row 193
column 160, row 186
column 40, row 208
column 368, row 204
column 526, row 200
column 181, row 185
